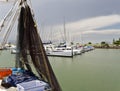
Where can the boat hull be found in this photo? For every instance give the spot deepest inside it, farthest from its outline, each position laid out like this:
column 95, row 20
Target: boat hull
column 64, row 53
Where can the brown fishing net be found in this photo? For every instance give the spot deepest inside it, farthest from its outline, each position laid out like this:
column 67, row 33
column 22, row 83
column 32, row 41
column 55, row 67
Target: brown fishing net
column 29, row 42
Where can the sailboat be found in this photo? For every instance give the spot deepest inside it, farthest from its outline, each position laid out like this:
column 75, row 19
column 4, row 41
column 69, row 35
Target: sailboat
column 61, row 50
column 30, row 52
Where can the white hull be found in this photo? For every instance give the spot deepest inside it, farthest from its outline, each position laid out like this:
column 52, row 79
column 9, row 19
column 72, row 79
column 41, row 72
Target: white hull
column 14, row 51
column 77, row 51
column 62, row 53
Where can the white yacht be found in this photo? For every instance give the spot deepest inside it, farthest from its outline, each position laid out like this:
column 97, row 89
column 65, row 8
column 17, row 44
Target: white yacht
column 51, row 50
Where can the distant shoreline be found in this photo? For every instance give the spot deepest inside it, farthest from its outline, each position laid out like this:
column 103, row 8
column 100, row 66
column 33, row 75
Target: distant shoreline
column 115, row 47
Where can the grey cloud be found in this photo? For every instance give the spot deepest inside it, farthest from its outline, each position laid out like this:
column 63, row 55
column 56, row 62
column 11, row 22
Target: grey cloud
column 53, row 11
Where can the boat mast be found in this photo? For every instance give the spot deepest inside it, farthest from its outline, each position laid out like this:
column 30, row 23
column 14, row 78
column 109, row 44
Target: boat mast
column 64, row 31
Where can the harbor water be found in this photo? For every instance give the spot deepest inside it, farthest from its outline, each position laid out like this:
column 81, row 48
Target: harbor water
column 97, row 70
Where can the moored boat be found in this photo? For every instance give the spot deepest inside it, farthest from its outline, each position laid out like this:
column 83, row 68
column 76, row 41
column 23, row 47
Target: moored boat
column 52, row 50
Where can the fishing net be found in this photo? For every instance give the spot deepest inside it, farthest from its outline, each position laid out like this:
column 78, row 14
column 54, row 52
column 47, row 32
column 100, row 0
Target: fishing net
column 29, row 42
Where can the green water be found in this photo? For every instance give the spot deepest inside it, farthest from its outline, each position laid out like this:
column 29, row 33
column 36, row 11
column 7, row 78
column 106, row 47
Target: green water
column 97, row 70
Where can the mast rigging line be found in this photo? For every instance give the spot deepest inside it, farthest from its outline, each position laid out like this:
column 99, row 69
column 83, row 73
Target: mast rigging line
column 9, row 29
column 9, row 21
column 8, row 15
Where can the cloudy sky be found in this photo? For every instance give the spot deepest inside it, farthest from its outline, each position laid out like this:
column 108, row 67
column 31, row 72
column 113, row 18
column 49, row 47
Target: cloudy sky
column 85, row 20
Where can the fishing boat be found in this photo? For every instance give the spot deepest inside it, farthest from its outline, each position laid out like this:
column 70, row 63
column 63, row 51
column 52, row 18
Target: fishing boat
column 32, row 71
